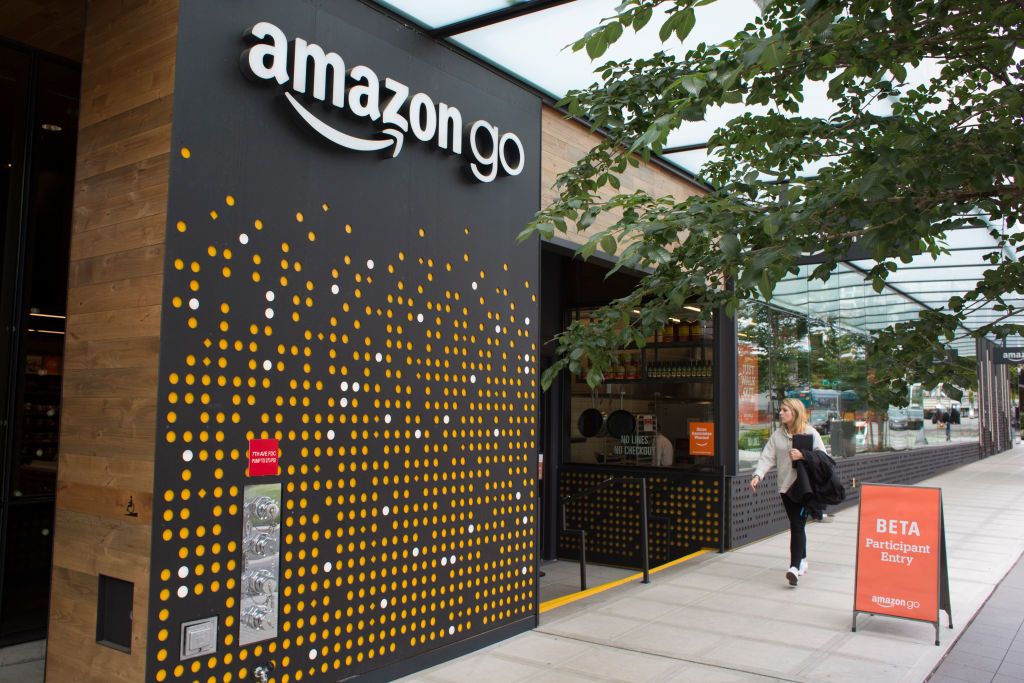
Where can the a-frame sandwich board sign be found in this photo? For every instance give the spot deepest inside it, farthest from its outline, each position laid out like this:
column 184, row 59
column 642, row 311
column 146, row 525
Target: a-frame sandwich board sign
column 901, row 555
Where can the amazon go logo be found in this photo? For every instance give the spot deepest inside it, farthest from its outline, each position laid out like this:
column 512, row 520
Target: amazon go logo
column 889, row 602
column 310, row 73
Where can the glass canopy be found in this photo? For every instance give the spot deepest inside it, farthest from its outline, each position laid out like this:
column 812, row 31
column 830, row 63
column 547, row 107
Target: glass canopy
column 528, row 39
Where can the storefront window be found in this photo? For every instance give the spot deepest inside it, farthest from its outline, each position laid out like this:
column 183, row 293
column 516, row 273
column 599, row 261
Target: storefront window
column 811, row 343
column 655, row 408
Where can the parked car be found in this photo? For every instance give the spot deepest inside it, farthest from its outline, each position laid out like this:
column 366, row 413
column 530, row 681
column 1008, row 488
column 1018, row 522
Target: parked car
column 898, row 419
column 906, row 418
column 821, row 420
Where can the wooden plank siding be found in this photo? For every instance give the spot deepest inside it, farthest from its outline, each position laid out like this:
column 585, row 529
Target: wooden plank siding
column 564, row 142
column 108, row 429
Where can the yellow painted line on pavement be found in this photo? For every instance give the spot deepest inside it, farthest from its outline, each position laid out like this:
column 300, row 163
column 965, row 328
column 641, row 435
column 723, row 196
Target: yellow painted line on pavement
column 573, row 597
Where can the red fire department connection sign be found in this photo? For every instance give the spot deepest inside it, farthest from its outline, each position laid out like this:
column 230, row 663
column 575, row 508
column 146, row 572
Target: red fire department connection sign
column 264, row 455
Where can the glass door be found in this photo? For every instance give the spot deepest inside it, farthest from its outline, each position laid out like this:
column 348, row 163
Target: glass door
column 39, row 124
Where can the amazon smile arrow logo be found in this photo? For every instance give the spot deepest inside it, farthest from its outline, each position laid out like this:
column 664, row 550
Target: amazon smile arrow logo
column 308, row 70
column 344, row 139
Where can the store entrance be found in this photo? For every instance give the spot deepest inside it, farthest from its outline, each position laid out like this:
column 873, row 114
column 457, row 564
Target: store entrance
column 39, row 122
column 646, row 433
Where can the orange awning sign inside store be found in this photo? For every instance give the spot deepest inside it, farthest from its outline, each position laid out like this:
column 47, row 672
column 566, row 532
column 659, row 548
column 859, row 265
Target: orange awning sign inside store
column 702, row 438
column 901, row 554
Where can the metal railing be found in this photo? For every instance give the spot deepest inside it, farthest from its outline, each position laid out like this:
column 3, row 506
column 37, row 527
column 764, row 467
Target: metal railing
column 582, row 533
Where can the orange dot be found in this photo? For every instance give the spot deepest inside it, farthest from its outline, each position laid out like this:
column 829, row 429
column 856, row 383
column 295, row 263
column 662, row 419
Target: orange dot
column 181, row 226
column 186, row 153
column 299, row 217
column 229, row 200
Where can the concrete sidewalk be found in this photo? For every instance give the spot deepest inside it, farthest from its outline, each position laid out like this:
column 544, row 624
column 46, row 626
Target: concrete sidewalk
column 733, row 617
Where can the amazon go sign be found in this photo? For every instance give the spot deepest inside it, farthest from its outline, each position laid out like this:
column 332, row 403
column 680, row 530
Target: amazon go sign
column 311, row 74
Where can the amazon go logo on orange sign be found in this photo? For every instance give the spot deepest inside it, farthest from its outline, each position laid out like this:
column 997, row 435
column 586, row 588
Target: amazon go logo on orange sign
column 307, row 70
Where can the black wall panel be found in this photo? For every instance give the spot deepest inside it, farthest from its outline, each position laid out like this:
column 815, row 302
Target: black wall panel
column 372, row 312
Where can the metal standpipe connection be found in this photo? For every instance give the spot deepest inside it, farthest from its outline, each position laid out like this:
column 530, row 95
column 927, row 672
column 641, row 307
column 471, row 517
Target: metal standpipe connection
column 261, row 674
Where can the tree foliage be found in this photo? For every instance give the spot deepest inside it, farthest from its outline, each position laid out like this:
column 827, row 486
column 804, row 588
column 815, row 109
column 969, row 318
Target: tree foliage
column 949, row 154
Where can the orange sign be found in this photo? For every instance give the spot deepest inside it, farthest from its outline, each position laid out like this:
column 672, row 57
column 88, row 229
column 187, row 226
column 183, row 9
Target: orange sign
column 746, row 362
column 899, row 549
column 702, row 438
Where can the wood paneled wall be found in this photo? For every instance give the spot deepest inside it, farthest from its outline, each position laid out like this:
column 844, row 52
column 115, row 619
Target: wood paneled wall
column 563, row 142
column 108, row 428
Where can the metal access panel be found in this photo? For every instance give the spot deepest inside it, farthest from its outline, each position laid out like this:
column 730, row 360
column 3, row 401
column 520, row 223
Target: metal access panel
column 114, row 613
column 261, row 544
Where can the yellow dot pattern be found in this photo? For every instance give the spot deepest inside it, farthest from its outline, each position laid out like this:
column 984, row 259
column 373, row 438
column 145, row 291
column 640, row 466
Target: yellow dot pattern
column 402, row 387
column 683, row 512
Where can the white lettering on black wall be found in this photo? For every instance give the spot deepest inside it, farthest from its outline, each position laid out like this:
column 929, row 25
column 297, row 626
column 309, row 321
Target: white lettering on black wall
column 308, row 71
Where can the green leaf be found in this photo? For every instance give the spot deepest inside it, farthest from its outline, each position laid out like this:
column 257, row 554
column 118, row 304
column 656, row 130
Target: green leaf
column 764, row 285
column 642, row 17
column 774, row 53
column 730, row 246
column 596, row 46
column 685, row 24
column 609, row 245
column 667, row 28
column 692, row 84
column 613, row 32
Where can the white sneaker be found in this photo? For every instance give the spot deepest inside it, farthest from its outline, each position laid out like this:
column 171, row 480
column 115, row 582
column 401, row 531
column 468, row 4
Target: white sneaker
column 793, row 576
column 803, row 566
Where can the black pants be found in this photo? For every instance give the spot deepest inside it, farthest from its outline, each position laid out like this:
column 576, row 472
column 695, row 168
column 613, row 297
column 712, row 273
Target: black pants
column 797, row 535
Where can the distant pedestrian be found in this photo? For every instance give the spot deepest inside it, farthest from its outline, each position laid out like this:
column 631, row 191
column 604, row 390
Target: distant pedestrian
column 779, row 453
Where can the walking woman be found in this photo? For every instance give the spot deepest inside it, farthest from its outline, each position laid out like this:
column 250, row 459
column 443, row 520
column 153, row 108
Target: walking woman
column 779, row 452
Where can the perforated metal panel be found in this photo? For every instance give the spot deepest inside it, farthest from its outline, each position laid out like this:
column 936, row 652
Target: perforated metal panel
column 684, row 515
column 374, row 315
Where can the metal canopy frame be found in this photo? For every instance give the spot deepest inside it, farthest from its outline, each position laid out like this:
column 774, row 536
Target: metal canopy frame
column 490, row 18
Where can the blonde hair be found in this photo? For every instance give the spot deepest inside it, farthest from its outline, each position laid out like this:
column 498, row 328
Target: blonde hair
column 799, row 415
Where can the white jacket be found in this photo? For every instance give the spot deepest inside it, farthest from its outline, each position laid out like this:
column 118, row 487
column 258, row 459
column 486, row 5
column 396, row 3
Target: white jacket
column 776, row 454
